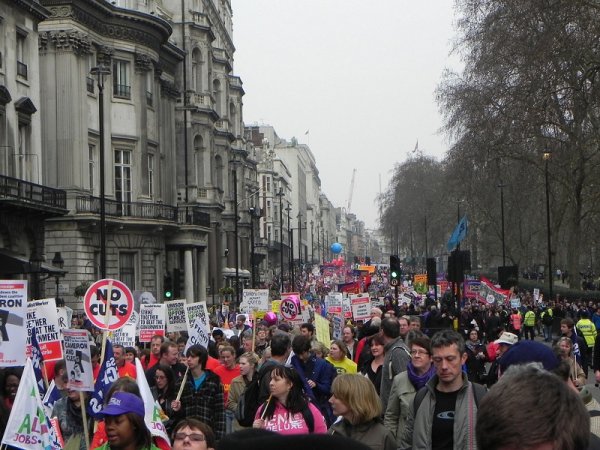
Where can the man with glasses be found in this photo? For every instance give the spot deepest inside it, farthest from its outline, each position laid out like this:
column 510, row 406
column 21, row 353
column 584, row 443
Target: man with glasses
column 444, row 412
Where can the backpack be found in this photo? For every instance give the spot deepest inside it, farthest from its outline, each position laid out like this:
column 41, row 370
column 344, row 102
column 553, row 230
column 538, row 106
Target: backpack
column 478, row 392
column 249, row 402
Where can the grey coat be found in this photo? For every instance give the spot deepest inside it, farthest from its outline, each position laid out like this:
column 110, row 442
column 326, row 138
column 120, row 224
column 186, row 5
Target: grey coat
column 400, row 399
column 397, row 357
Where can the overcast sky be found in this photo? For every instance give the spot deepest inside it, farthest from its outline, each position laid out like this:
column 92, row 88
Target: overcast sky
column 360, row 75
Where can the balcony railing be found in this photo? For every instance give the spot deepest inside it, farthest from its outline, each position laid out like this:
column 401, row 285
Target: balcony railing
column 113, row 208
column 31, row 193
column 122, row 91
column 191, row 215
column 89, row 83
column 22, row 69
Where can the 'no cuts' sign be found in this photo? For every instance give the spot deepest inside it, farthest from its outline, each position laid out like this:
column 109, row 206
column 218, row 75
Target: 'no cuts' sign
column 108, row 304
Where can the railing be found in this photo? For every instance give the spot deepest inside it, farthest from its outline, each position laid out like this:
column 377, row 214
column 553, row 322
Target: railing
column 222, row 124
column 191, row 215
column 113, row 208
column 31, row 193
column 89, row 83
column 149, row 98
column 122, row 91
column 22, row 69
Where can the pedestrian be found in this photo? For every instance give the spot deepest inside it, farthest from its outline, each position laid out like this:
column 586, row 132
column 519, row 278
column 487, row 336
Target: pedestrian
column 164, row 392
column 338, row 358
column 396, row 359
column 373, row 367
column 192, row 434
column 564, row 348
column 476, row 357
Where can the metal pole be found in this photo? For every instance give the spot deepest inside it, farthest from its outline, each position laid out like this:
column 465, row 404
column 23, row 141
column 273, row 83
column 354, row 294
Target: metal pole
column 312, row 242
column 550, row 274
column 252, row 247
column 281, row 234
column 300, row 240
column 236, row 245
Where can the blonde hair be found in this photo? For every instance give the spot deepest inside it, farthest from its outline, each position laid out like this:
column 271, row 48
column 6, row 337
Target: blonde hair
column 251, row 357
column 359, row 394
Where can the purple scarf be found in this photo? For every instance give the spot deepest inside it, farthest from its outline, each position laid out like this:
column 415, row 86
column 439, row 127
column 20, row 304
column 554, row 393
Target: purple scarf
column 419, row 381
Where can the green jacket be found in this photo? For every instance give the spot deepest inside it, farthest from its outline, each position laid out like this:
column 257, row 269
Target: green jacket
column 400, row 399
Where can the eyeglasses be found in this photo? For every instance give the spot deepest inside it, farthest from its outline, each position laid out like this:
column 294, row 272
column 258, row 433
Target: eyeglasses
column 194, row 437
column 418, row 352
column 159, row 377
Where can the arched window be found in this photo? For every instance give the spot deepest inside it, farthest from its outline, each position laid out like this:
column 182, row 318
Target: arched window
column 199, row 160
column 197, row 70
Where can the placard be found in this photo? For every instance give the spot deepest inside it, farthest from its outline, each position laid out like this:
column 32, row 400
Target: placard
column 199, row 334
column 322, row 330
column 176, row 320
column 254, row 300
column 125, row 335
column 96, row 301
column 151, row 321
column 361, row 307
column 199, row 309
column 333, row 303
column 13, row 312
column 41, row 314
column 338, row 326
column 79, row 362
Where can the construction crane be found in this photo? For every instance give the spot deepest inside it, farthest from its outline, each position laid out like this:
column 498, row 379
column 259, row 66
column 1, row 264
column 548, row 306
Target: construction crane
column 351, row 191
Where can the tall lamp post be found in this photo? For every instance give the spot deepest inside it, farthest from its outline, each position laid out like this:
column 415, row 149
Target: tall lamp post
column 312, row 242
column 300, row 240
column 235, row 232
column 59, row 262
column 280, row 195
column 291, row 255
column 546, row 157
column 502, row 186
column 252, row 212
column 100, row 72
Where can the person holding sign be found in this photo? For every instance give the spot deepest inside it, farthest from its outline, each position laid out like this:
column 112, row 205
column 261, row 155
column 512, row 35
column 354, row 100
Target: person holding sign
column 70, row 419
column 201, row 393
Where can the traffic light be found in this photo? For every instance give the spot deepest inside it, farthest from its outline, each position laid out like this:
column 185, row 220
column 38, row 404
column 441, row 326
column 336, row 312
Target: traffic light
column 395, row 270
column 168, row 287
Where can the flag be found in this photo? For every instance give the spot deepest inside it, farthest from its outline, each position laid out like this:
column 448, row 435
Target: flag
column 107, row 375
column 154, row 413
column 37, row 361
column 51, row 397
column 459, row 233
column 28, row 425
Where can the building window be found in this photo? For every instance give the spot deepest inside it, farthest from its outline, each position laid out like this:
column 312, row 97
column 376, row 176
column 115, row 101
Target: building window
column 149, row 89
column 23, row 164
column 92, row 167
column 151, row 175
column 276, row 235
column 121, row 86
column 123, row 180
column 127, row 269
column 21, row 55
column 268, row 208
column 269, row 233
column 268, row 189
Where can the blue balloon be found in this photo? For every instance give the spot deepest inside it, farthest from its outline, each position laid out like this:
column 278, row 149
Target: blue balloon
column 336, row 248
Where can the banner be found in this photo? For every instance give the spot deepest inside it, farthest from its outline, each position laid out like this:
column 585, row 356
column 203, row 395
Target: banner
column 107, row 375
column 176, row 316
column 151, row 321
column 28, row 425
column 125, row 336
column 254, row 300
column 361, row 306
column 13, row 311
column 490, row 294
column 153, row 411
column 41, row 314
column 193, row 310
column 78, row 359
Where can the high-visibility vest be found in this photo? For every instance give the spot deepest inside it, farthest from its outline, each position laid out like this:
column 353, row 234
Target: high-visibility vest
column 515, row 319
column 529, row 319
column 588, row 331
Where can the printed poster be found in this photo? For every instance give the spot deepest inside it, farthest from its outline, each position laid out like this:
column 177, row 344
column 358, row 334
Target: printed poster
column 41, row 314
column 13, row 311
column 199, row 309
column 78, row 359
column 176, row 316
column 151, row 321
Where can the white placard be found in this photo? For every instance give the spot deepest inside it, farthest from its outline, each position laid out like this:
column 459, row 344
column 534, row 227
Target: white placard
column 13, row 312
column 198, row 334
column 78, row 360
column 254, row 300
column 176, row 320
column 125, row 336
column 41, row 314
column 361, row 306
column 151, row 321
column 194, row 310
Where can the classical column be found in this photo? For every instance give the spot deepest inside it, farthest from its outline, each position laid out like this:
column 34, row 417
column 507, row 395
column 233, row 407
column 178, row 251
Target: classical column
column 188, row 267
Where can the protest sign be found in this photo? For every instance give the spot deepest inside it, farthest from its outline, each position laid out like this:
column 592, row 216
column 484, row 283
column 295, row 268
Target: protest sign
column 13, row 310
column 199, row 334
column 338, row 326
column 347, row 308
column 65, row 315
column 41, row 314
column 254, row 300
column 361, row 306
column 151, row 321
column 333, row 303
column 125, row 336
column 108, row 304
column 193, row 310
column 322, row 330
column 79, row 362
column 28, row 425
column 176, row 316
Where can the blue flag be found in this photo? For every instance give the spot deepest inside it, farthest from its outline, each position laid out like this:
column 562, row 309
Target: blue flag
column 459, row 233
column 36, row 360
column 107, row 375
column 51, row 397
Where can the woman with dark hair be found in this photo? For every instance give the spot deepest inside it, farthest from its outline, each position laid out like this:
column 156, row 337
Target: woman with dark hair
column 10, row 385
column 124, row 424
column 287, row 410
column 355, row 400
column 164, row 392
column 372, row 368
column 192, row 434
column 406, row 384
column 476, row 357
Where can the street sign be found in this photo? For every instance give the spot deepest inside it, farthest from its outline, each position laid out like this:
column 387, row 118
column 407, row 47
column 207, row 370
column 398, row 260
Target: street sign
column 96, row 304
column 394, row 282
column 289, row 309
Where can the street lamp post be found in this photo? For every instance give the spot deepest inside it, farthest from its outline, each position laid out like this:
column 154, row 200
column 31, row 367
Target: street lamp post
column 546, row 157
column 59, row 262
column 291, row 254
column 502, row 186
column 280, row 195
column 312, row 242
column 235, row 243
column 300, row 240
column 252, row 212
column 100, row 72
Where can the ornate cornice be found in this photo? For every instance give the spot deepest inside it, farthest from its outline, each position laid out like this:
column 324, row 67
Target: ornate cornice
column 168, row 89
column 104, row 55
column 143, row 63
column 66, row 40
